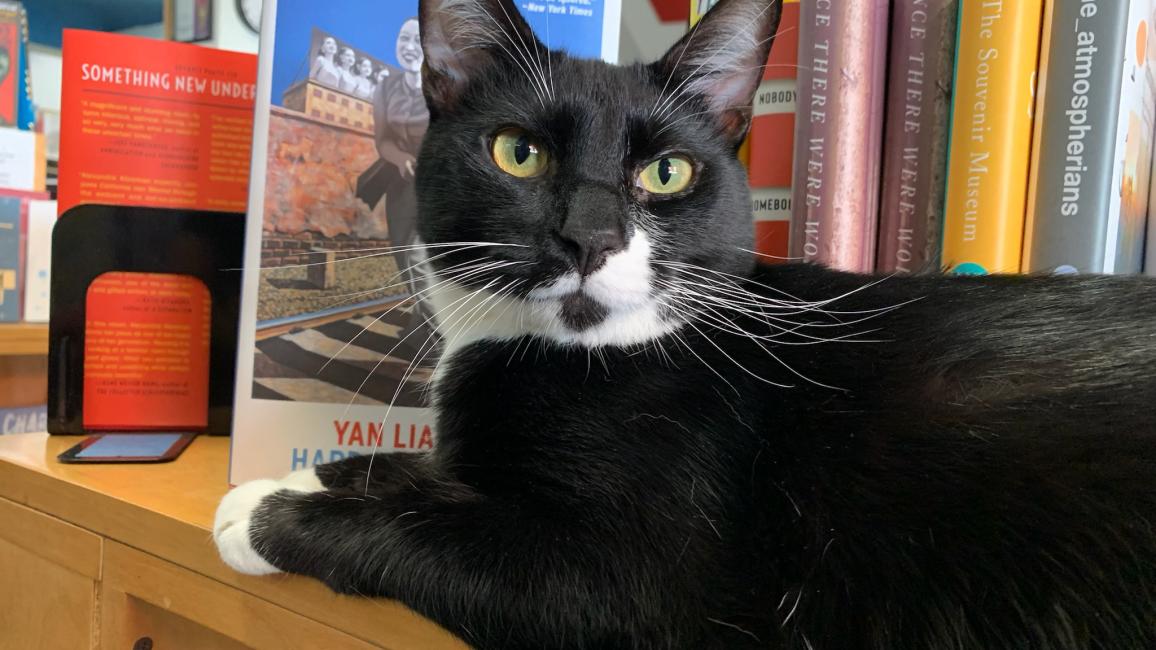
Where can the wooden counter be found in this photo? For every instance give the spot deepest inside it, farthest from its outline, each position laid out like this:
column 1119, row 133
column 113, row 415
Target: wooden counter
column 102, row 556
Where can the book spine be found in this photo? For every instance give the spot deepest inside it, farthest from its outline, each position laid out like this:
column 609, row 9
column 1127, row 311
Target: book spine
column 1079, row 110
column 11, row 274
column 838, row 136
column 991, row 135
column 772, row 141
column 916, row 134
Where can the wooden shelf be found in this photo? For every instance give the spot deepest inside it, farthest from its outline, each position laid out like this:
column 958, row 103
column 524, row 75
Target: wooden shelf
column 23, row 339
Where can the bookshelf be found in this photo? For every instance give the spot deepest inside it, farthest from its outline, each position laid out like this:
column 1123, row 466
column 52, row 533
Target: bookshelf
column 23, row 339
column 23, row 364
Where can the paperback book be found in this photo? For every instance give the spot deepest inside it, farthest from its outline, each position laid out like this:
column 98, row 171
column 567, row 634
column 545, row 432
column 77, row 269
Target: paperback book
column 330, row 358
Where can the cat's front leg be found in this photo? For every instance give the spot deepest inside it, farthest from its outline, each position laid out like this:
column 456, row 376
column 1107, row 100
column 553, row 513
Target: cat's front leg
column 500, row 570
column 232, row 525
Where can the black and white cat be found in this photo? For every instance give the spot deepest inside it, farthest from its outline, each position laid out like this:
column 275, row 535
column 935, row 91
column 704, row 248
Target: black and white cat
column 647, row 440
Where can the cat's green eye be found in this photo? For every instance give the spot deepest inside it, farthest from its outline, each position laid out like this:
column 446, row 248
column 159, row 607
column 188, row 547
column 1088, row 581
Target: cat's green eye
column 667, row 175
column 518, row 153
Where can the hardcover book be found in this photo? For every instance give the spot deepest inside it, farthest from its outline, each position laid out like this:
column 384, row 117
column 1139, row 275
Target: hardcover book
column 987, row 174
column 335, row 347
column 767, row 151
column 838, row 136
column 772, row 141
column 918, row 121
column 1088, row 197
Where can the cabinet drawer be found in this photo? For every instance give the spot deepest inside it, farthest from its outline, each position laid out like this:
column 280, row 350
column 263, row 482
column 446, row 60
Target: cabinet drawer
column 145, row 597
column 50, row 571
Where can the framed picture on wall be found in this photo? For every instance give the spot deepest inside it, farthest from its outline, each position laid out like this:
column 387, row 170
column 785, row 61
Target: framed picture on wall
column 192, row 20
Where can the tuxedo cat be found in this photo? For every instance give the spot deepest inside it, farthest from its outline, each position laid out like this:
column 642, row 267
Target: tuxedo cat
column 646, row 439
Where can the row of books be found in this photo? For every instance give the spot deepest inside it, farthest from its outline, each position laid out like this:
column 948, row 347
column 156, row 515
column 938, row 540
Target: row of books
column 970, row 135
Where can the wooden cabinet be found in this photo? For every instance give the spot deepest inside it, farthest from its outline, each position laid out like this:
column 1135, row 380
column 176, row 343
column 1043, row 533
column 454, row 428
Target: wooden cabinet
column 50, row 571
column 120, row 557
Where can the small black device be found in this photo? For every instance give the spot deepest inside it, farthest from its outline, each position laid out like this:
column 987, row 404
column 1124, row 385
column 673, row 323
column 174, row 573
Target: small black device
column 128, row 448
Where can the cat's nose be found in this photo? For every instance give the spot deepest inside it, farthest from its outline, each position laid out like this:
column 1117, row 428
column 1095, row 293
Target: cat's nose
column 590, row 248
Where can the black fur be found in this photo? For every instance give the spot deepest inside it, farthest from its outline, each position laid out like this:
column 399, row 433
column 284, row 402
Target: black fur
column 971, row 466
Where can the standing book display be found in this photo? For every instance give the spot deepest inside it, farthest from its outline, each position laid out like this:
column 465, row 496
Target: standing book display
column 333, row 347
column 144, row 280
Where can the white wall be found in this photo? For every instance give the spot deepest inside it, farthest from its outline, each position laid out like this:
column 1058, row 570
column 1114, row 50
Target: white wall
column 229, row 31
column 644, row 37
column 46, row 69
column 155, row 30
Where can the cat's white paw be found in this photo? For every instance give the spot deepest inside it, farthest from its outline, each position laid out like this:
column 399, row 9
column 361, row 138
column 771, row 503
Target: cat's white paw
column 231, row 525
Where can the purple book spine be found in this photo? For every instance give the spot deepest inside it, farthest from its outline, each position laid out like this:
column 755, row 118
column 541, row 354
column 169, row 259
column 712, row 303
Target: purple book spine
column 917, row 129
column 839, row 132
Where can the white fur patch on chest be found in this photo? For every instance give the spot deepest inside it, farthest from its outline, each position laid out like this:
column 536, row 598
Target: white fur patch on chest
column 623, row 286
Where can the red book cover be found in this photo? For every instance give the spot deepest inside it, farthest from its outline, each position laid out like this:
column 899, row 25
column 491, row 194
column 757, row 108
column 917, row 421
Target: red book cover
column 772, row 141
column 838, row 134
column 146, row 352
column 155, row 123
column 10, row 67
column 773, row 128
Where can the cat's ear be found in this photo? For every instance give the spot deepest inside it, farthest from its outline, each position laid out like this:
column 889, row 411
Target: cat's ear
column 461, row 37
column 721, row 60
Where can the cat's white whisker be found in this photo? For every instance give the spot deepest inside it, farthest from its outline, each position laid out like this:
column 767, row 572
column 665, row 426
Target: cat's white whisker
column 473, row 272
column 694, row 75
column 401, row 384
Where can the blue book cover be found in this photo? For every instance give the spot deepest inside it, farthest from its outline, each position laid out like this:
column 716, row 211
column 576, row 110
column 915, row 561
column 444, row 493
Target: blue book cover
column 334, row 354
column 11, row 273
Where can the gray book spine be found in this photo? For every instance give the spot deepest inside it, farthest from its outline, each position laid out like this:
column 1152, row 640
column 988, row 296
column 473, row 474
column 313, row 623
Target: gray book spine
column 1080, row 112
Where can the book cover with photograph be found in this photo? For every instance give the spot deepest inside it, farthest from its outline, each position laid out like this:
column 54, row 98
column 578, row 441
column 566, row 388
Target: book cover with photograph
column 1088, row 197
column 335, row 351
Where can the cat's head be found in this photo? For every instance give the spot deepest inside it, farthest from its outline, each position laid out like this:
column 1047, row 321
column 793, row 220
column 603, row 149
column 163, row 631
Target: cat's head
column 569, row 198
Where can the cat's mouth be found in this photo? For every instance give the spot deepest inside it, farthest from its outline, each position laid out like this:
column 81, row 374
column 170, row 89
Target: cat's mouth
column 580, row 312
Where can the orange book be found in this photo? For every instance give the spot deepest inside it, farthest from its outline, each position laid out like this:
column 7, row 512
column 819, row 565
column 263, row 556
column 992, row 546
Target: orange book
column 772, row 141
column 991, row 136
column 767, row 152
